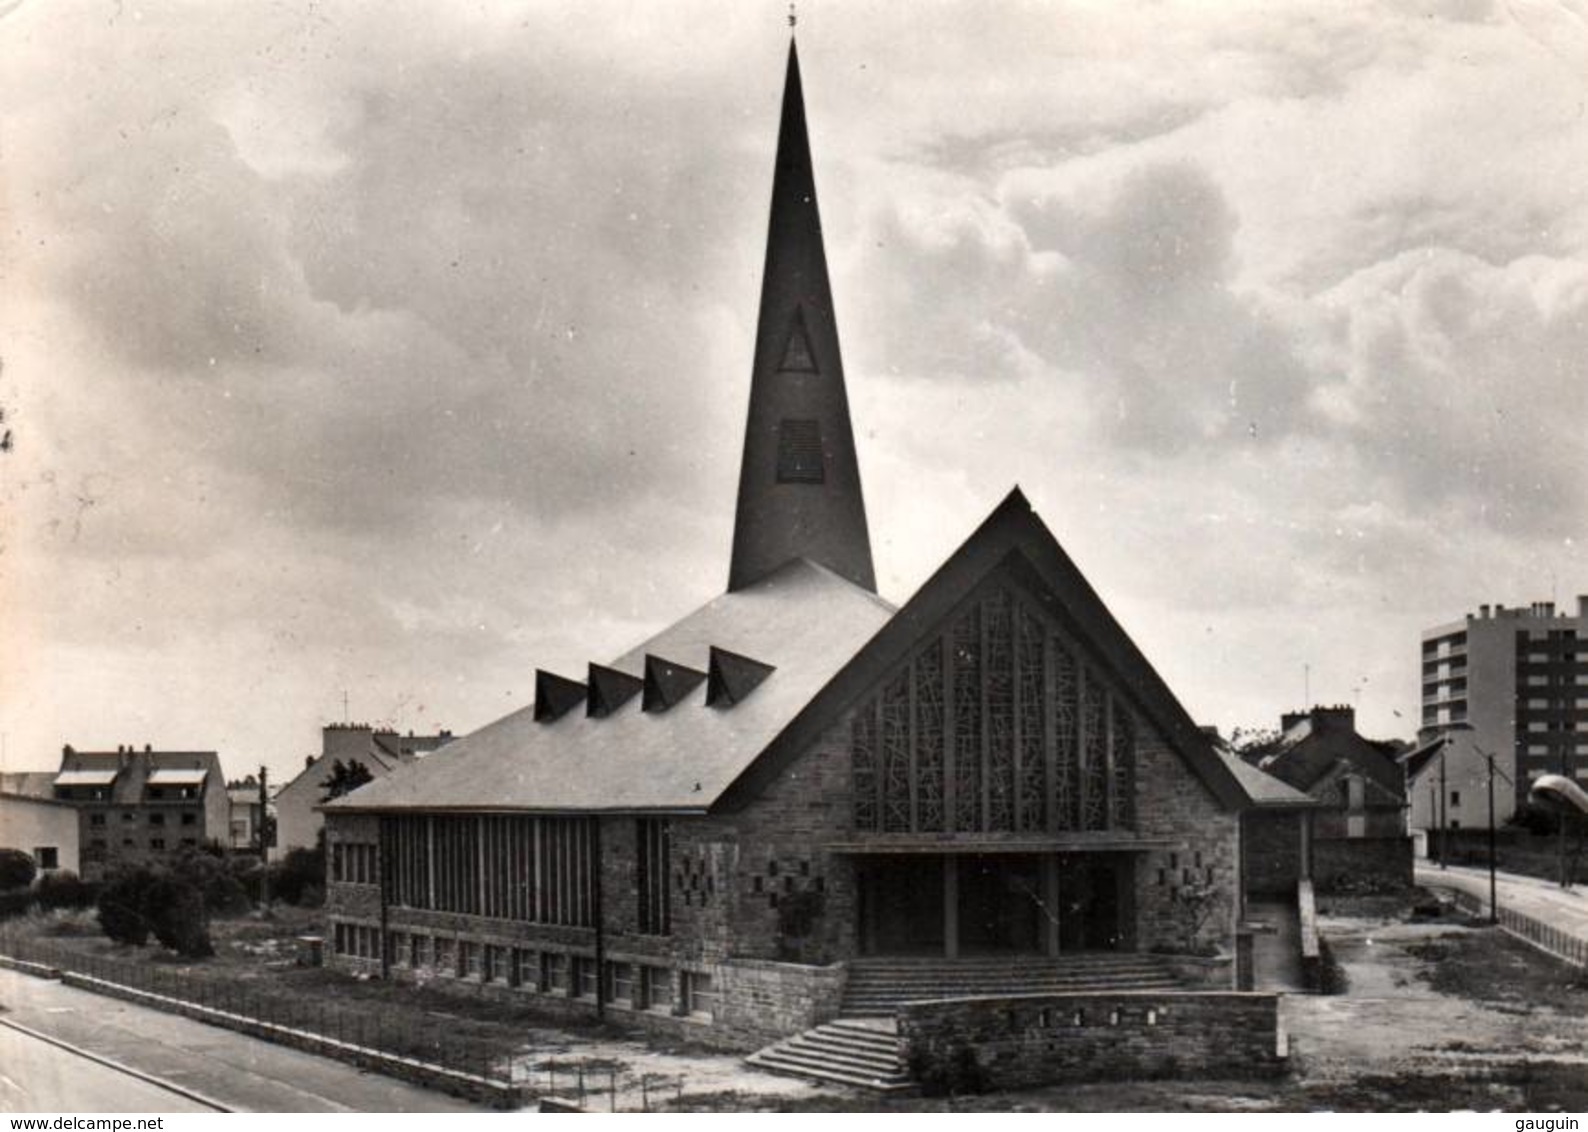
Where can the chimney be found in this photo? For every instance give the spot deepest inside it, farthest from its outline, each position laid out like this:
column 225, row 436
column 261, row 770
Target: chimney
column 308, row 761
column 1483, row 612
column 1582, row 605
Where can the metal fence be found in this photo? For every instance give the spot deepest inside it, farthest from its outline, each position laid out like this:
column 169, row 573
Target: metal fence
column 413, row 1047
column 1548, row 938
column 345, row 1030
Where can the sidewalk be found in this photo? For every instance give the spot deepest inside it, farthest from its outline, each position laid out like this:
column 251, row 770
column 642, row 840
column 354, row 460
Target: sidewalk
column 1538, row 911
column 242, row 1073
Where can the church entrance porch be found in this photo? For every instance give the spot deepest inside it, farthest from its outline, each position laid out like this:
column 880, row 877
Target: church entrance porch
column 994, row 904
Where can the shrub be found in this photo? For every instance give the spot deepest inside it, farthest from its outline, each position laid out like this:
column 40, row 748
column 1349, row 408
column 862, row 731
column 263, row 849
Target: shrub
column 298, row 875
column 178, row 915
column 798, row 915
column 63, row 889
column 124, row 905
column 213, row 879
column 16, row 869
column 15, row 903
column 956, row 1073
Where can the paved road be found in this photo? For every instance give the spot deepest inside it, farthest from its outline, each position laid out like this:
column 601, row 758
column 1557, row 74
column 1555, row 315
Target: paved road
column 242, row 1073
column 36, row 1076
column 1566, row 909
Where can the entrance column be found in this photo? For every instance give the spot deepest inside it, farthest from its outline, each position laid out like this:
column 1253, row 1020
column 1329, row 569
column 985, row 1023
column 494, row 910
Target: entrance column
column 1050, row 901
column 950, row 907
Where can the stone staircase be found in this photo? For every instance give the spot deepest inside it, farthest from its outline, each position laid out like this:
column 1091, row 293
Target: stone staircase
column 861, row 1048
column 877, row 987
column 861, row 1052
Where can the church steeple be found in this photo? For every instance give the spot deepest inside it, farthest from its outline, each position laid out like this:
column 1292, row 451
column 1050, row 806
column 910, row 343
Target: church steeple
column 799, row 483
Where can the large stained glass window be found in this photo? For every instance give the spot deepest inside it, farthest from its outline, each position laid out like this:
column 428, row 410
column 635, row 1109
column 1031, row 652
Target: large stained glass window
column 999, row 726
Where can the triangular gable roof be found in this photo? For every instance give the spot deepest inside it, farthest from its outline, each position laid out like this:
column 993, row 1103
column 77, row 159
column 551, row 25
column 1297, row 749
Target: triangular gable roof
column 1012, row 536
column 1263, row 790
column 1373, row 789
column 1414, row 760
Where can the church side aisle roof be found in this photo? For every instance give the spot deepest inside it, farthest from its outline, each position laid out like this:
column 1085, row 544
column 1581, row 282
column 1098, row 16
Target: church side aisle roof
column 803, row 619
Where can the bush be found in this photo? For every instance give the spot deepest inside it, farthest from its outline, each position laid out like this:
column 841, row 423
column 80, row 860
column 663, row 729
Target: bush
column 63, row 889
column 15, row 903
column 178, row 916
column 798, row 915
column 957, row 1073
column 16, row 869
column 140, row 902
column 213, row 879
column 299, row 877
column 124, row 905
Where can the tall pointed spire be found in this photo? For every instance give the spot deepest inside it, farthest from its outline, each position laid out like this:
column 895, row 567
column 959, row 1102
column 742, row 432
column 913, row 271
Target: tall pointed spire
column 799, row 483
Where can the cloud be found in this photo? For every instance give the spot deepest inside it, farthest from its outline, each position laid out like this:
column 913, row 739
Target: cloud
column 405, row 348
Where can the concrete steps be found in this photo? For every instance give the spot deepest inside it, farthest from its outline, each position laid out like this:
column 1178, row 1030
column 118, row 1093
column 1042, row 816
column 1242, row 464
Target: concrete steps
column 877, row 987
column 857, row 1053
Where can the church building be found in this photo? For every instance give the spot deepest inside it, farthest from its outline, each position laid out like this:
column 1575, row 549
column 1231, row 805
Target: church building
column 749, row 823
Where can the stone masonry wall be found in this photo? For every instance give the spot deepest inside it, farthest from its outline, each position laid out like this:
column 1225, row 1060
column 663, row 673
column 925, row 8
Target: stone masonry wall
column 779, row 854
column 1273, row 852
column 1362, row 864
column 1172, row 804
column 1033, row 1040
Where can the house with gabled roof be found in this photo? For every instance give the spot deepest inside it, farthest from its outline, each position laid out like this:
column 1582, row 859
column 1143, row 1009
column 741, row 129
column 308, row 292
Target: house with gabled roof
column 800, row 797
column 377, row 750
column 137, row 805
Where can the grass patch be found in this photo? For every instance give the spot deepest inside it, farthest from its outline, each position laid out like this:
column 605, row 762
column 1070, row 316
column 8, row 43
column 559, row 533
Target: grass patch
column 1488, row 965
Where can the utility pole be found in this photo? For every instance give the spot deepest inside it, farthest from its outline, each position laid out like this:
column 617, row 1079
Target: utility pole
column 1444, row 814
column 1433, row 819
column 1494, row 897
column 264, row 842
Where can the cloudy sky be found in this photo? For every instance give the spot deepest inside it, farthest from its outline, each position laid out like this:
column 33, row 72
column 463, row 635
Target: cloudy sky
column 397, row 349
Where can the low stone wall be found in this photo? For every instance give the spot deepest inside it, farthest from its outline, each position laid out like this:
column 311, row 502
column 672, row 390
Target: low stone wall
column 763, row 1000
column 1030, row 1040
column 1311, row 942
column 1362, row 864
column 758, row 1001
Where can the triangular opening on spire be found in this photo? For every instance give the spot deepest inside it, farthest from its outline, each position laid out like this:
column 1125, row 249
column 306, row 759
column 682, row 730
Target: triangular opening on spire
column 555, row 695
column 667, row 683
column 798, row 357
column 610, row 690
column 733, row 677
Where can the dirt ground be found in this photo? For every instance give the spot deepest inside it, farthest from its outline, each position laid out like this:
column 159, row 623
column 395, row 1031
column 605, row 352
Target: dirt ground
column 1436, row 1016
